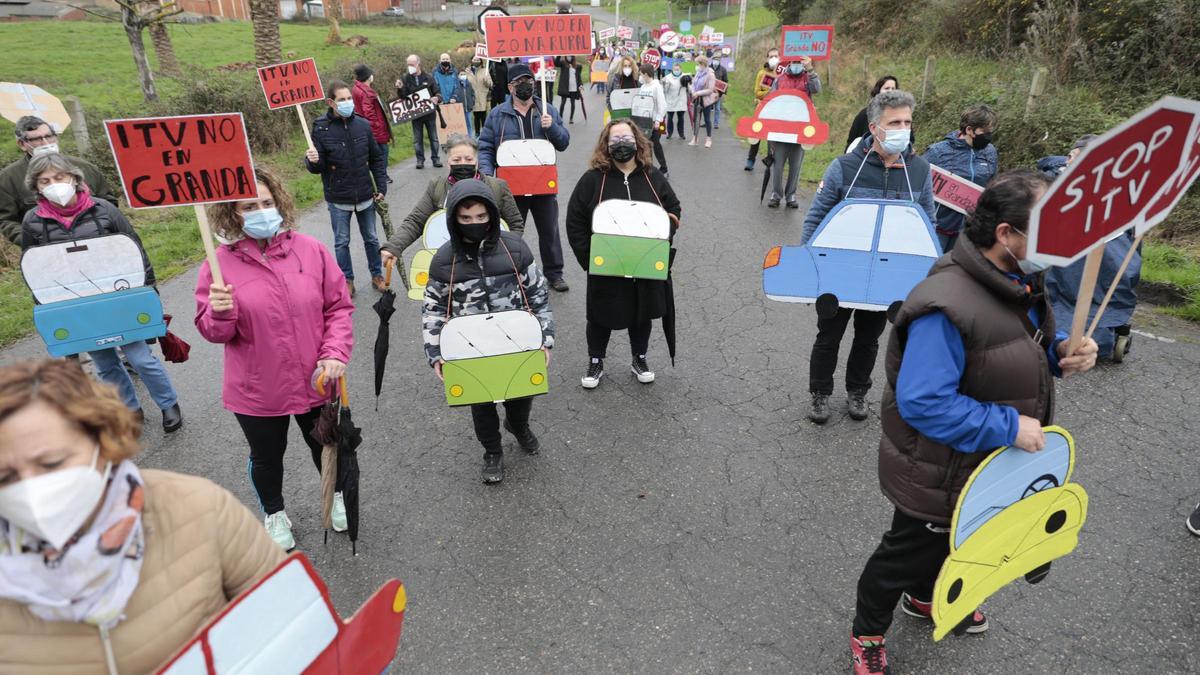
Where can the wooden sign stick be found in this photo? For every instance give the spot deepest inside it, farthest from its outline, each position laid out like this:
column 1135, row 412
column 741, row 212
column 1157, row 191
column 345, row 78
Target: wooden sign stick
column 304, row 125
column 543, row 79
column 206, row 238
column 1115, row 282
column 1083, row 302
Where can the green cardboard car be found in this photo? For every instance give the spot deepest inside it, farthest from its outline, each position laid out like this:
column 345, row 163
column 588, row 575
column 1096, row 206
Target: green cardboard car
column 493, row 357
column 630, row 239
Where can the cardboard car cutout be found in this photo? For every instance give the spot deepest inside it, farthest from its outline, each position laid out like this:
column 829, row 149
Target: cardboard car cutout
column 286, row 623
column 866, row 254
column 785, row 116
column 1016, row 514
column 493, row 357
column 529, row 165
column 621, row 103
column 630, row 239
column 91, row 294
column 433, row 236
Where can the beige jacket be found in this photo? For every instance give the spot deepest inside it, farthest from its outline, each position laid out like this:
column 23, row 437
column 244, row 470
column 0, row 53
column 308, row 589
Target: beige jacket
column 481, row 83
column 203, row 548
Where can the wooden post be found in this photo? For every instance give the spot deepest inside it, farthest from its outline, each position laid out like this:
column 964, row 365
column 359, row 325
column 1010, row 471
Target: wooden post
column 304, row 125
column 1083, row 302
column 1113, row 286
column 206, row 238
column 1036, row 88
column 927, row 82
column 829, row 71
column 542, row 77
column 867, row 74
column 83, row 142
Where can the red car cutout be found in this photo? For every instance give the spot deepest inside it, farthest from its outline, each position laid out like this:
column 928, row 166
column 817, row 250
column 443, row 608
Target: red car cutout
column 785, row 116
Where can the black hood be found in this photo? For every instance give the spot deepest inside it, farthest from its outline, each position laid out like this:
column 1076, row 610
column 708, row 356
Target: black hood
column 471, row 189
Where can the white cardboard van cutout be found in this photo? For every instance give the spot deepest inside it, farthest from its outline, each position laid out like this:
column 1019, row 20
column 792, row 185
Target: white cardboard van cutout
column 78, row 269
column 491, row 334
column 631, row 219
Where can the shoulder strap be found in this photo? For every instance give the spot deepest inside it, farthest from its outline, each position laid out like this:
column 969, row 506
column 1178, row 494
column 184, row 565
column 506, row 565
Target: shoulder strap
column 517, row 275
column 646, row 173
column 603, row 180
column 450, row 292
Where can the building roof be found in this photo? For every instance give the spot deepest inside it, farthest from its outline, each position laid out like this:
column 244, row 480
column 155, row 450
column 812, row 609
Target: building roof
column 32, row 9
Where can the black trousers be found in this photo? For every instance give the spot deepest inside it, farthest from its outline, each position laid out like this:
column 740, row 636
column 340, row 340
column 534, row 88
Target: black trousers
column 428, row 124
column 479, row 117
column 656, row 141
column 753, row 154
column 267, row 437
column 675, row 122
column 545, row 218
column 908, row 559
column 487, row 421
column 597, row 339
column 868, row 326
column 562, row 106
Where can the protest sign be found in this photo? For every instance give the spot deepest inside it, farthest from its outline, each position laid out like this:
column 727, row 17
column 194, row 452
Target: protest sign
column 491, row 11
column 292, row 84
column 451, row 120
column 651, row 57
column 633, row 45
column 481, row 52
column 607, row 33
column 954, row 192
column 815, row 42
column 538, row 35
column 706, row 30
column 18, row 100
column 669, row 41
column 687, row 41
column 720, row 86
column 408, row 108
column 624, row 32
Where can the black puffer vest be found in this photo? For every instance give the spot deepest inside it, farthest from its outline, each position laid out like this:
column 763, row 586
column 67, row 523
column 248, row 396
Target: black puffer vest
column 1006, row 363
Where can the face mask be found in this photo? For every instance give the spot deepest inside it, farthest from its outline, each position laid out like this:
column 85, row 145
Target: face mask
column 981, row 141
column 473, row 233
column 59, row 193
column 773, row 61
column 345, row 108
column 627, row 71
column 412, row 70
column 795, row 68
column 895, row 141
column 462, row 77
column 623, row 151
column 55, row 505
column 44, row 149
column 523, row 90
column 676, row 72
column 1027, row 267
column 446, row 66
column 261, row 224
column 462, row 171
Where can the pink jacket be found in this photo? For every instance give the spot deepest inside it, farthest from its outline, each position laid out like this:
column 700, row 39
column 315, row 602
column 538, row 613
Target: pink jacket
column 290, row 308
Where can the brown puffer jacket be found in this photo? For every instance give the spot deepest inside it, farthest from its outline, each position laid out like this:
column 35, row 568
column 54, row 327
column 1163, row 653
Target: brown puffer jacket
column 1004, row 364
column 203, row 548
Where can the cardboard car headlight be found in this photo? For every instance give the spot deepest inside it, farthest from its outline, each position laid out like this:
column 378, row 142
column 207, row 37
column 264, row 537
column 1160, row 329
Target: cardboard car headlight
column 493, row 357
column 630, row 239
column 530, row 166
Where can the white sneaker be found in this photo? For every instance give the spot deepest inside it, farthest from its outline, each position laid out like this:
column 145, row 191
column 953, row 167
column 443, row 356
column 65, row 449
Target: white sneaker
column 643, row 372
column 279, row 526
column 338, row 513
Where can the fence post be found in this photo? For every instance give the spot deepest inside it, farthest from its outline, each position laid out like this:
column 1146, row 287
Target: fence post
column 927, row 82
column 83, row 142
column 1036, row 88
column 829, row 71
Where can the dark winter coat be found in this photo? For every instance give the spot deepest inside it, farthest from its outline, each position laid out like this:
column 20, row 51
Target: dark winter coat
column 102, row 219
column 499, row 73
column 1005, row 364
column 16, row 199
column 351, row 163
column 435, row 197
column 411, row 84
column 503, row 124
column 367, row 104
column 564, row 80
column 956, row 155
column 615, row 302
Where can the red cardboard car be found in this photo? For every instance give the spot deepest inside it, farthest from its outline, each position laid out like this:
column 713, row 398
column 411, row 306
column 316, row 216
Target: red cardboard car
column 785, row 116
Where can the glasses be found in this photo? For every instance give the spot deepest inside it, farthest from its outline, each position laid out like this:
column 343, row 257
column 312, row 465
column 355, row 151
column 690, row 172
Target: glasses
column 618, row 139
column 41, row 140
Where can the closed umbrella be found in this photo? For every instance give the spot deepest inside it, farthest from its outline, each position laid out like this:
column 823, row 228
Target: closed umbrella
column 339, row 461
column 767, row 162
column 325, row 433
column 385, row 307
column 668, row 319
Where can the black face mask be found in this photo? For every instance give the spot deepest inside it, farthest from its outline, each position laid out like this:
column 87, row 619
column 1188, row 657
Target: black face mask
column 981, row 141
column 623, row 151
column 523, row 90
column 445, row 66
column 473, row 233
column 462, row 171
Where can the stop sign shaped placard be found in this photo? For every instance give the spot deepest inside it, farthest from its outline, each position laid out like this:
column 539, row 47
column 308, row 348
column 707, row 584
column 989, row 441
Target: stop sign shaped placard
column 1115, row 182
column 651, row 57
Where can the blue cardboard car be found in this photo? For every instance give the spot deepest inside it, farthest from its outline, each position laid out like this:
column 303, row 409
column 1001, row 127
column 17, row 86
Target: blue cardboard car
column 866, row 254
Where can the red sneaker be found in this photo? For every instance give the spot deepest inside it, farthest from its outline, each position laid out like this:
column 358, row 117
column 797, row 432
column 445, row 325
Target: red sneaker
column 868, row 655
column 976, row 623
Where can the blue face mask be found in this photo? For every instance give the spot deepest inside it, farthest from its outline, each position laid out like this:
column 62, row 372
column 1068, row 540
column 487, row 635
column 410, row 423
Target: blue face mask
column 261, row 224
column 895, row 141
column 345, row 108
column 795, row 68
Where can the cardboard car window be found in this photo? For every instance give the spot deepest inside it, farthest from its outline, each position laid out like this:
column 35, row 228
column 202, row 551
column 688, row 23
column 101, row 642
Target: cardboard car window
column 491, row 334
column 630, row 239
column 903, row 231
column 77, row 269
column 435, row 233
column 631, row 219
column 526, row 152
column 854, row 230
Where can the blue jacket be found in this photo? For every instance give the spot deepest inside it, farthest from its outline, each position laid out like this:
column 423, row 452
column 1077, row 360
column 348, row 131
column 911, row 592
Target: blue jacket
column 448, row 85
column 351, row 163
column 875, row 181
column 503, row 124
column 956, row 156
column 1052, row 165
column 1062, row 287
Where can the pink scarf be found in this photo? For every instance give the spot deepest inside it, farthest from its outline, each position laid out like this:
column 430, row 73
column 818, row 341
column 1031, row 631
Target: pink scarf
column 66, row 215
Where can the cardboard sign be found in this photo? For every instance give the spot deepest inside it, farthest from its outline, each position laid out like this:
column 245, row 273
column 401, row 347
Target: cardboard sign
column 706, row 30
column 451, row 120
column 712, row 38
column 491, row 11
column 632, row 45
column 687, row 41
column 669, row 41
column 538, row 35
column 18, row 100
column 411, row 107
column 815, row 42
column 630, row 239
column 720, row 86
column 481, row 52
column 291, row 83
column 607, row 33
column 600, row 70
column 190, row 159
column 651, row 57
column 624, row 32
column 954, row 192
column 493, row 357
column 766, row 81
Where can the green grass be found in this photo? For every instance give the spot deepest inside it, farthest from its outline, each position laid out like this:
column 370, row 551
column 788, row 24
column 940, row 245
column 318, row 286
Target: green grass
column 1178, row 267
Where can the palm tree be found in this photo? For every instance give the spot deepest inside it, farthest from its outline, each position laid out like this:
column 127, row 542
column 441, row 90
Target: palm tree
column 163, row 49
column 333, row 14
column 265, row 16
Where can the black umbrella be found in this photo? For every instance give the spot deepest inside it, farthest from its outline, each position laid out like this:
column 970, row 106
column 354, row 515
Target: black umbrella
column 582, row 106
column 385, row 307
column 668, row 319
column 767, row 162
column 349, row 438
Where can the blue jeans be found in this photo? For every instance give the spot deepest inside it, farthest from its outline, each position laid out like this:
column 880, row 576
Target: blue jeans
column 717, row 113
column 341, row 239
column 148, row 367
column 470, row 126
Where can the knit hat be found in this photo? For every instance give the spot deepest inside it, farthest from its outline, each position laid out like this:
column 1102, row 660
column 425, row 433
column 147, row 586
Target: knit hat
column 362, row 72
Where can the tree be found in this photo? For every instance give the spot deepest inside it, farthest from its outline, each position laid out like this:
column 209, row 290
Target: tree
column 333, row 14
column 136, row 16
column 788, row 11
column 163, row 49
column 265, row 16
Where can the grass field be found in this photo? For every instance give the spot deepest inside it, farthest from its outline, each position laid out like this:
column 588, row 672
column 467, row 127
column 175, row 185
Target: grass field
column 1179, row 267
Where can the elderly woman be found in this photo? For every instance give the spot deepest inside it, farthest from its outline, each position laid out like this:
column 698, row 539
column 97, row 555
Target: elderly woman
column 462, row 153
column 284, row 318
column 67, row 211
column 94, row 552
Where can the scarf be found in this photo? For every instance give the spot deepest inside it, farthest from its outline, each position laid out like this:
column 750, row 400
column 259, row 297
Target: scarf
column 92, row 578
column 66, row 215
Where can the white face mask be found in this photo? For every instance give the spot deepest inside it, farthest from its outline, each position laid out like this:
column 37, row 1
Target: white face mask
column 59, row 193
column 627, row 71
column 773, row 61
column 44, row 149
column 412, row 70
column 55, row 505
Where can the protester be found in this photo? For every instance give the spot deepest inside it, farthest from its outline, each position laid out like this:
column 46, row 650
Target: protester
column 498, row 72
column 424, row 128
column 858, row 128
column 284, row 316
column 35, row 137
column 882, row 167
column 969, row 369
column 598, row 83
column 105, row 567
column 676, row 93
column 704, row 97
column 461, row 153
column 723, row 76
column 480, row 82
column 621, row 167
column 1053, row 165
column 798, row 76
column 369, row 106
column 67, row 211
column 625, row 75
column 653, row 89
column 518, row 118
column 482, row 269
column 966, row 152
column 570, row 78
column 763, row 80
column 353, row 172
column 468, row 99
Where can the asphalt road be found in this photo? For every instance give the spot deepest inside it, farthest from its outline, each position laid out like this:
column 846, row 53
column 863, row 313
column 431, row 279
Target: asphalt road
column 700, row 524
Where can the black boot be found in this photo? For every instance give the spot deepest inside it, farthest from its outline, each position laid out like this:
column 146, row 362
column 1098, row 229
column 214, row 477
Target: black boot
column 858, row 405
column 493, row 467
column 172, row 419
column 820, row 408
column 528, row 442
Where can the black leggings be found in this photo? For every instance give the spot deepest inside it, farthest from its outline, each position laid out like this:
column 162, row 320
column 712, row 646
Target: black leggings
column 562, row 106
column 656, row 141
column 672, row 125
column 479, row 116
column 597, row 339
column 267, row 437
